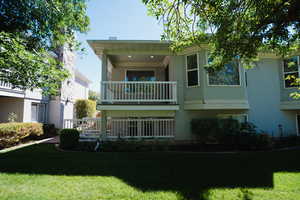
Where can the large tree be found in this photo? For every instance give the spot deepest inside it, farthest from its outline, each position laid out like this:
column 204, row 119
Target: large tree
column 31, row 32
column 232, row 28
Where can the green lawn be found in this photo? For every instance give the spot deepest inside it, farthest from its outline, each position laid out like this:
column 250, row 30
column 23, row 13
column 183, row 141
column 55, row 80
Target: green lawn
column 41, row 172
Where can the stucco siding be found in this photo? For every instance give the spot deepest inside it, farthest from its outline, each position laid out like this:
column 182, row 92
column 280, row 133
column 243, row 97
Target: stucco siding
column 10, row 104
column 264, row 93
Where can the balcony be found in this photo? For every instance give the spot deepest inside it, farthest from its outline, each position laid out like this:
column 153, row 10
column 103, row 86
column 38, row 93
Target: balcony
column 6, row 89
column 139, row 92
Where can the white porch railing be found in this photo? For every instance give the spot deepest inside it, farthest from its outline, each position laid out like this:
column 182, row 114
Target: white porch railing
column 138, row 91
column 141, row 128
column 88, row 127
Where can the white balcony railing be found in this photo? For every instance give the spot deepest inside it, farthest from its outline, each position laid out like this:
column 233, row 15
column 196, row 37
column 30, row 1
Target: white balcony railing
column 139, row 91
column 141, row 128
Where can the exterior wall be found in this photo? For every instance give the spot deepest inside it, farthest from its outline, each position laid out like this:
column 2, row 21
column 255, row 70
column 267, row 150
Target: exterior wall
column 265, row 92
column 60, row 110
column 21, row 106
column 10, row 104
column 81, row 90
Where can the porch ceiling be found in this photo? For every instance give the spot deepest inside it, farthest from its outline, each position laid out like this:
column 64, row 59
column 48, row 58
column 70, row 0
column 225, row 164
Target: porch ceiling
column 138, row 60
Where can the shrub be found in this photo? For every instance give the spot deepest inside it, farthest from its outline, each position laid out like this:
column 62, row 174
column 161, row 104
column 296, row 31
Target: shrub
column 230, row 132
column 85, row 108
column 214, row 130
column 69, row 138
column 50, row 130
column 13, row 133
column 205, row 129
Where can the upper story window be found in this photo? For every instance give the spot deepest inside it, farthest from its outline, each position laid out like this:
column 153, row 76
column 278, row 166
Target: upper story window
column 192, row 70
column 229, row 75
column 290, row 71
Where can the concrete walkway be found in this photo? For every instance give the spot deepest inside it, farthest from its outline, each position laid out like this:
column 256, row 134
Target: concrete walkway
column 53, row 140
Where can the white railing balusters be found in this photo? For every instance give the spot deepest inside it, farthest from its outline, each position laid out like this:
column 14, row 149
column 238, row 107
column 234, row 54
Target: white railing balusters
column 141, row 128
column 89, row 128
column 139, row 91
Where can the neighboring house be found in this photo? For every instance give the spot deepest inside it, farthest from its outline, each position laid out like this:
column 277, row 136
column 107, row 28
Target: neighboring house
column 147, row 91
column 32, row 106
column 81, row 86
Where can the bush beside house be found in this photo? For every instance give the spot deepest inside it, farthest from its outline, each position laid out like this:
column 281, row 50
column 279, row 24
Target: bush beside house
column 85, row 108
column 231, row 133
column 14, row 133
column 69, row 138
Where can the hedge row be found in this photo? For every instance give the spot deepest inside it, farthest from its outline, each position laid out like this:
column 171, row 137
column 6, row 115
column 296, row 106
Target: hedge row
column 13, row 133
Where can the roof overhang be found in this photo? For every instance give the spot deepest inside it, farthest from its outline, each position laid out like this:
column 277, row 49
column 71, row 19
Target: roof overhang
column 127, row 47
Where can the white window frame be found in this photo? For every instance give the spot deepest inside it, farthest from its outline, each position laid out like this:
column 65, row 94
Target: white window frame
column 284, row 73
column 207, row 75
column 37, row 113
column 228, row 115
column 190, row 70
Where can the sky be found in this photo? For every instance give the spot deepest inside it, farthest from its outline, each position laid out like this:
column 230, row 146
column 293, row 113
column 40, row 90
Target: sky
column 124, row 19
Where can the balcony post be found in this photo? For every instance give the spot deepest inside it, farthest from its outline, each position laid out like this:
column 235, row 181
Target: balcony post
column 103, row 76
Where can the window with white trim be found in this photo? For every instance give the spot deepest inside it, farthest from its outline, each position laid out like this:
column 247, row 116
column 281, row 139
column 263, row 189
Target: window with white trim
column 242, row 118
column 290, row 71
column 38, row 111
column 192, row 70
column 228, row 75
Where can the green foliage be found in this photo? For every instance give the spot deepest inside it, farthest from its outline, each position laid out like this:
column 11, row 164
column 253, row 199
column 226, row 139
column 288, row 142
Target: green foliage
column 85, row 108
column 230, row 132
column 13, row 133
column 95, row 96
column 50, row 130
column 230, row 27
column 69, row 138
column 32, row 34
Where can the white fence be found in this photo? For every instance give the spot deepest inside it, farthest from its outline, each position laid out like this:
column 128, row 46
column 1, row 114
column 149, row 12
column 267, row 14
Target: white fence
column 90, row 128
column 141, row 128
column 139, row 91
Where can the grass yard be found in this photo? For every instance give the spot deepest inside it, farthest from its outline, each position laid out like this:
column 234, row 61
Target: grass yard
column 40, row 172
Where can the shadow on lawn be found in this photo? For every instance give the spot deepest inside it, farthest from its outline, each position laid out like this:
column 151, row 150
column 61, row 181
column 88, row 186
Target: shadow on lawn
column 190, row 174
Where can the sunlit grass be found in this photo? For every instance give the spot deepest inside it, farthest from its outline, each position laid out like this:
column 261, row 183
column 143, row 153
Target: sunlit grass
column 40, row 172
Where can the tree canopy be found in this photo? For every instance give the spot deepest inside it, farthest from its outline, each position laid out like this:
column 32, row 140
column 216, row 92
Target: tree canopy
column 95, row 96
column 232, row 28
column 31, row 33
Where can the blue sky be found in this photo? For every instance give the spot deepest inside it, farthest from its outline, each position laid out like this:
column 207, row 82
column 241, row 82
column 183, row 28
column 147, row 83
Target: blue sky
column 125, row 19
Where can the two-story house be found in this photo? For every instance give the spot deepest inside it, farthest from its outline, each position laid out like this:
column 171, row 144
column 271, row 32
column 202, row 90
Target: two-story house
column 33, row 106
column 148, row 91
